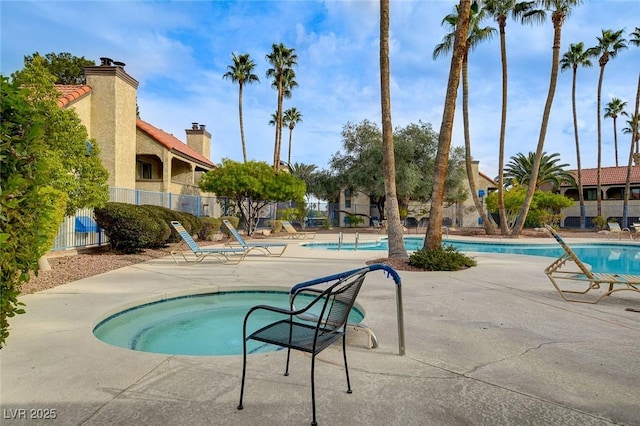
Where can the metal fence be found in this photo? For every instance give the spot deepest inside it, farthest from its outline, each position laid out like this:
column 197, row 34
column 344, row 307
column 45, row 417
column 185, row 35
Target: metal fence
column 81, row 231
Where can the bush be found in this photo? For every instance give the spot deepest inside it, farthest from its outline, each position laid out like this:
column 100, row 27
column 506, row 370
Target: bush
column 131, row 228
column 441, row 259
column 209, row 227
column 599, row 222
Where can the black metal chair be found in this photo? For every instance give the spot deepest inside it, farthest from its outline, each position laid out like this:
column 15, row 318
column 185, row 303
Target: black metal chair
column 312, row 328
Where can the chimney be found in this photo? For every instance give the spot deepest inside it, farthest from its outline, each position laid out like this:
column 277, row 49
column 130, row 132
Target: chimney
column 113, row 119
column 199, row 139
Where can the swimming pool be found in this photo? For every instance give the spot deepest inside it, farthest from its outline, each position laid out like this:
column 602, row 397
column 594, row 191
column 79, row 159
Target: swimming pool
column 201, row 324
column 603, row 257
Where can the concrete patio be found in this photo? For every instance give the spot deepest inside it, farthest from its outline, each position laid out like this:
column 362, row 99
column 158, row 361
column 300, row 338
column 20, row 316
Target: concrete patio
column 491, row 345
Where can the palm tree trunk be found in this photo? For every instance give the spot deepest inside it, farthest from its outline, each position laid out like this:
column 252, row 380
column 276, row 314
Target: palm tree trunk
column 557, row 19
column 471, row 176
column 627, row 185
column 289, row 153
column 394, row 227
column 504, row 224
column 244, row 147
column 578, row 160
column 615, row 139
column 433, row 237
column 598, row 173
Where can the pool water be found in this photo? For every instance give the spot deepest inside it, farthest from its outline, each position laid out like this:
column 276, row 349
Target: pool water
column 603, row 257
column 207, row 324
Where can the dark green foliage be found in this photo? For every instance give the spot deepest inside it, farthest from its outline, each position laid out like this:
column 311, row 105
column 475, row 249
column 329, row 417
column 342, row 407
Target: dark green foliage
column 210, row 227
column 29, row 209
column 445, row 258
column 67, row 69
column 166, row 215
column 131, row 228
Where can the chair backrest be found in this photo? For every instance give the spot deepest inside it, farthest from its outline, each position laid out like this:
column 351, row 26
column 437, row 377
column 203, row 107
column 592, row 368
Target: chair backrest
column 235, row 233
column 186, row 237
column 614, row 227
column 569, row 252
column 288, row 227
column 340, row 298
column 376, row 223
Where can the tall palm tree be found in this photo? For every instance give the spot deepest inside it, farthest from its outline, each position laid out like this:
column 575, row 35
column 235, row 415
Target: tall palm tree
column 476, row 35
column 394, row 227
column 614, row 108
column 632, row 129
column 291, row 117
column 241, row 72
column 559, row 11
column 609, row 44
column 433, row 237
column 519, row 170
column 634, row 38
column 282, row 59
column 573, row 58
column 500, row 10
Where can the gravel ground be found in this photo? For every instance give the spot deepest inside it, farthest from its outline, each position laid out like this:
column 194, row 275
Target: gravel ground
column 70, row 268
column 66, row 269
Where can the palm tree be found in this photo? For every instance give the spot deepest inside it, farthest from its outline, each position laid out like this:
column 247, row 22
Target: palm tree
column 635, row 40
column 433, row 237
column 476, row 35
column 573, row 58
column 614, row 108
column 632, row 129
column 500, row 10
column 282, row 59
column 519, row 171
column 394, row 227
column 241, row 72
column 291, row 117
column 608, row 47
column 559, row 11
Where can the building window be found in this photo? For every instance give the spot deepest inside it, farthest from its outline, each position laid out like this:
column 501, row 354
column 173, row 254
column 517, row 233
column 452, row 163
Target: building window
column 145, row 170
column 591, row 194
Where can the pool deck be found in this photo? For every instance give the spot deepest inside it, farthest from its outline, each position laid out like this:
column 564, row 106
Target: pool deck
column 491, row 345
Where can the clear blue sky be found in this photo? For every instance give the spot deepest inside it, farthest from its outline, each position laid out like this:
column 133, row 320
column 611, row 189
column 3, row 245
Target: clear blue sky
column 179, row 50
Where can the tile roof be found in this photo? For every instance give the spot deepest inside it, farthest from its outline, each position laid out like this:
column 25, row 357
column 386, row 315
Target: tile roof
column 608, row 175
column 71, row 92
column 173, row 144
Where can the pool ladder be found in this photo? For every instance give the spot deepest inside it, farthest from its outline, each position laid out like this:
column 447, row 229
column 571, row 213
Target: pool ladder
column 341, row 240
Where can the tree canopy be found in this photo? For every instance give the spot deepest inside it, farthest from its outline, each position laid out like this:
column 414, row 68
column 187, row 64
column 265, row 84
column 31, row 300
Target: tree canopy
column 251, row 186
column 76, row 168
column 358, row 168
column 66, row 68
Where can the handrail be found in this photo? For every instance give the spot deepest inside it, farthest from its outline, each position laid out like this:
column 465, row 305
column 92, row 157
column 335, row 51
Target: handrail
column 356, row 243
column 340, row 236
column 392, row 273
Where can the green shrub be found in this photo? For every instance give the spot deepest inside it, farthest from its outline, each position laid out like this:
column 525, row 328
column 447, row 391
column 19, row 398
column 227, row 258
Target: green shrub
column 599, row 222
column 131, row 228
column 209, row 227
column 445, row 258
column 354, row 220
column 164, row 217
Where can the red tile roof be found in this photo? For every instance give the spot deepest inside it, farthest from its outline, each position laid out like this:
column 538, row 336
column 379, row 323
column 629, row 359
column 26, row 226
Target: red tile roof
column 173, row 144
column 608, row 176
column 71, row 92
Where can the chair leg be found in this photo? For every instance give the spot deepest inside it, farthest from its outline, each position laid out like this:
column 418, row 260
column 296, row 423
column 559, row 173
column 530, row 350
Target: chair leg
column 286, row 370
column 346, row 368
column 244, row 371
column 313, row 389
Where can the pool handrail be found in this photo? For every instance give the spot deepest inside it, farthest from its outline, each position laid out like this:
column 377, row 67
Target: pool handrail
column 370, row 268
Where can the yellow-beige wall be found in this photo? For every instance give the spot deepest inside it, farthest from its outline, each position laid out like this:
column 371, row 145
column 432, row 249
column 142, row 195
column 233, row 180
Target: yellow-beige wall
column 113, row 121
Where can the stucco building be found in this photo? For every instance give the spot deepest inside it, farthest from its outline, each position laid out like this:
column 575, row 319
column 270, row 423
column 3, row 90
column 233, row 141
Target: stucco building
column 137, row 155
